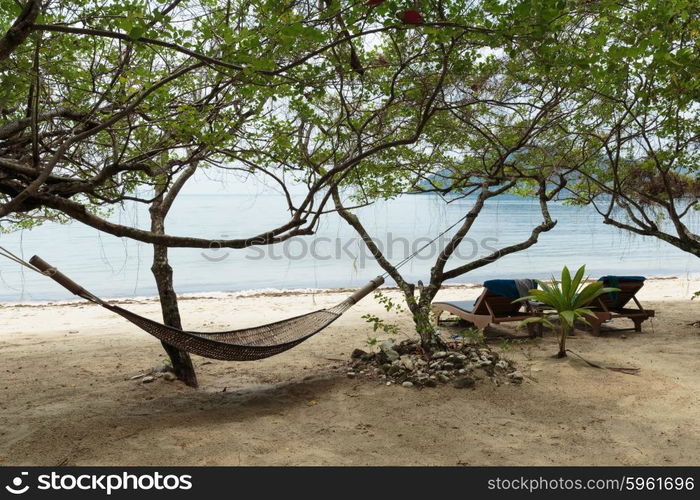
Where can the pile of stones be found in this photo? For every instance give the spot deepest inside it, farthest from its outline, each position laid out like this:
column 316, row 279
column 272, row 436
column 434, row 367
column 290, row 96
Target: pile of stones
column 408, row 365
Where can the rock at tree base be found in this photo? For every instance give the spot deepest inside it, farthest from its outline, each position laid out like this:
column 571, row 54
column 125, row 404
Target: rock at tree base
column 407, row 362
column 465, row 382
column 387, row 352
column 358, row 354
column 516, row 376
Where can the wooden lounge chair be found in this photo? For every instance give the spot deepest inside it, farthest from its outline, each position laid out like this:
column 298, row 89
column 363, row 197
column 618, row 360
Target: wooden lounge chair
column 612, row 305
column 491, row 308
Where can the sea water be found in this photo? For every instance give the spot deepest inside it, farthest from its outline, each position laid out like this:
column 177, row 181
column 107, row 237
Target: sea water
column 333, row 257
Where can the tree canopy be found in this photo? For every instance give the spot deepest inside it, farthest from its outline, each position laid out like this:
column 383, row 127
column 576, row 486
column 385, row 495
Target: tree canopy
column 592, row 101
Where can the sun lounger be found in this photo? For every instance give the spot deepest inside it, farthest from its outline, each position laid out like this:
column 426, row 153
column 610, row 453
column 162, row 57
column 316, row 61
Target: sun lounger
column 612, row 305
column 494, row 305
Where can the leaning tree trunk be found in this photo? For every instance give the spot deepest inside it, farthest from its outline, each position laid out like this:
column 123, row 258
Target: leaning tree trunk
column 163, row 274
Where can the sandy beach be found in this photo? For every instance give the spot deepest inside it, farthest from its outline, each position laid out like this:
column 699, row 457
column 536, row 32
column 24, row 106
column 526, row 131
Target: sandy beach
column 68, row 397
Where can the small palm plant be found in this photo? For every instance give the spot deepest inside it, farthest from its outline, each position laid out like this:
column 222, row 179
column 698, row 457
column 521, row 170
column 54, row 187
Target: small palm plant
column 569, row 298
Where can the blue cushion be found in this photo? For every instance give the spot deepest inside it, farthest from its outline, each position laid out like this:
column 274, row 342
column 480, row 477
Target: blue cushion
column 505, row 288
column 613, row 281
column 612, row 278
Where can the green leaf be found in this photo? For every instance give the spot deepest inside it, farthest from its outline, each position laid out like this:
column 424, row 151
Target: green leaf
column 569, row 317
column 136, row 32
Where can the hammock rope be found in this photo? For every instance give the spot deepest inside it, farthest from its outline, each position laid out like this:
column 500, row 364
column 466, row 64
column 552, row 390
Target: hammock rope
column 415, row 253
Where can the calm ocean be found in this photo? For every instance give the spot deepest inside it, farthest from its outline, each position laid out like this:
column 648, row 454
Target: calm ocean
column 114, row 267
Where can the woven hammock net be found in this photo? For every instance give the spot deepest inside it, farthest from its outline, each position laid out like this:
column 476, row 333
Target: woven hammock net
column 246, row 344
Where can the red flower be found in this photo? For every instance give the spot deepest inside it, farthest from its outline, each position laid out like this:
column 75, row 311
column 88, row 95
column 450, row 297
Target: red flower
column 411, row 17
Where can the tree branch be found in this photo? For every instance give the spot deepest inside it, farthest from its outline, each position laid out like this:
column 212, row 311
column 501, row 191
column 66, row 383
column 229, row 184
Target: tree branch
column 20, row 29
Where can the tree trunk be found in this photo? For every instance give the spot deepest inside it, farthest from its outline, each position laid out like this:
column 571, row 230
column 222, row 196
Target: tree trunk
column 163, row 274
column 421, row 311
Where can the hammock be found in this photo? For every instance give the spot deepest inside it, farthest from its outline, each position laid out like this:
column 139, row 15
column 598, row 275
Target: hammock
column 246, row 344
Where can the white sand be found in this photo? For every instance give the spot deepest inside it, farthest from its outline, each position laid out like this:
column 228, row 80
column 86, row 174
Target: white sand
column 66, row 397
